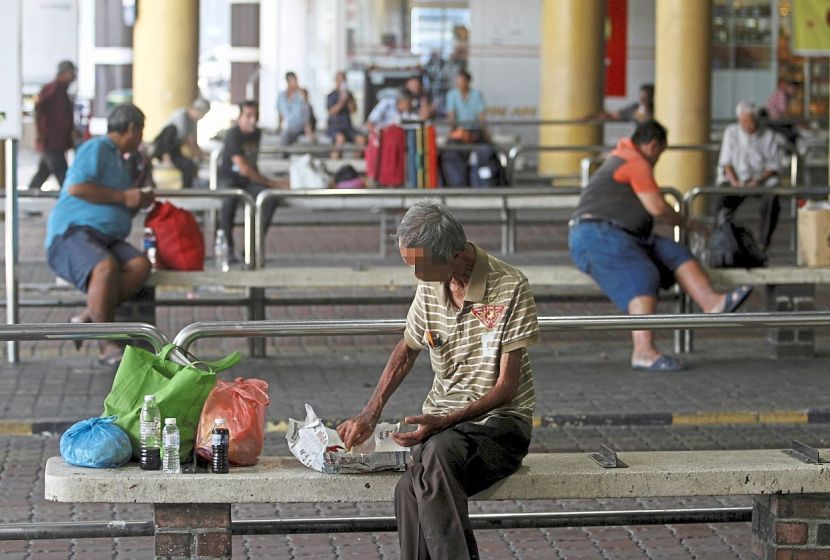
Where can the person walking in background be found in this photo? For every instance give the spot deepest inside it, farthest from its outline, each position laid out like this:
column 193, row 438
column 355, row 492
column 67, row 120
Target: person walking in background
column 294, row 112
column 87, row 228
column 340, row 104
column 55, row 126
column 238, row 170
column 179, row 132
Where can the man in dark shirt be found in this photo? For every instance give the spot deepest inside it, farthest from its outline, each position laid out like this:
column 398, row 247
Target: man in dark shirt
column 340, row 104
column 238, row 169
column 54, row 123
column 611, row 239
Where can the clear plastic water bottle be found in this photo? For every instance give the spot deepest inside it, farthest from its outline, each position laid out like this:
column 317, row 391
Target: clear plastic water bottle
column 171, row 463
column 220, row 440
column 220, row 251
column 150, row 430
column 150, row 247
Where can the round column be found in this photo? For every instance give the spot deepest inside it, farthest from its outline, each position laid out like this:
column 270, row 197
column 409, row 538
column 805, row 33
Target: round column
column 571, row 76
column 165, row 59
column 683, row 90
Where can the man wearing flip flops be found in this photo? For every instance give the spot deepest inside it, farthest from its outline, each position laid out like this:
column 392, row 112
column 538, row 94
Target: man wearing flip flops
column 611, row 239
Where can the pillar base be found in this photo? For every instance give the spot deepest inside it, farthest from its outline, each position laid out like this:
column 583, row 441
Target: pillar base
column 791, row 342
column 193, row 531
column 791, row 527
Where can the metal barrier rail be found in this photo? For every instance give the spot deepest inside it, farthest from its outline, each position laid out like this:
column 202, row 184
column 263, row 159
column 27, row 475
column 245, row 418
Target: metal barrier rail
column 85, row 331
column 250, row 329
column 375, row 524
column 508, row 214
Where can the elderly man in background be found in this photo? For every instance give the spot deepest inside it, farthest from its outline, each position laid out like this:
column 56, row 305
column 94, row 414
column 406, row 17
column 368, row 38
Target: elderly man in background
column 180, row 132
column 476, row 316
column 87, row 228
column 750, row 156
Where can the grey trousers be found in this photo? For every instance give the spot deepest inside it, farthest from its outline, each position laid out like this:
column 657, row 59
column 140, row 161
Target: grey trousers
column 431, row 496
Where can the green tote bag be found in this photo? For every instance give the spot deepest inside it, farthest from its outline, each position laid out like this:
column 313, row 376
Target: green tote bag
column 180, row 390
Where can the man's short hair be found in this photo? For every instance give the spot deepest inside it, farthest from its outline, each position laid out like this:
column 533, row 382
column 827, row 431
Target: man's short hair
column 404, row 95
column 122, row 116
column 429, row 225
column 289, row 75
column 647, row 131
column 66, row 66
column 200, row 105
column 648, row 88
column 746, row 108
column 250, row 103
column 466, row 75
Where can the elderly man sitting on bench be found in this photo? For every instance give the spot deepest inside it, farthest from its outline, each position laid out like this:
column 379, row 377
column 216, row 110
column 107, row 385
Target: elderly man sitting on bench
column 611, row 239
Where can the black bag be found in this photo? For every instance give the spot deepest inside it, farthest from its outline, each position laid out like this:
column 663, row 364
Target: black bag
column 485, row 167
column 732, row 246
column 166, row 142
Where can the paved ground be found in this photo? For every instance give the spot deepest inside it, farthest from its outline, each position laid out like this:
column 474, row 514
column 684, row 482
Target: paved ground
column 733, row 396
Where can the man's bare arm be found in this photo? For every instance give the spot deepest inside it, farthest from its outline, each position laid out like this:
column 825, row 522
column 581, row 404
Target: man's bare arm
column 96, row 194
column 249, row 172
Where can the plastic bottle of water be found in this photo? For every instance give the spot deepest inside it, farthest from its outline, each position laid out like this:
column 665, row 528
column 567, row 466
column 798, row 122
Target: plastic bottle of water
column 220, row 251
column 150, row 430
column 150, row 247
column 171, row 464
column 220, row 439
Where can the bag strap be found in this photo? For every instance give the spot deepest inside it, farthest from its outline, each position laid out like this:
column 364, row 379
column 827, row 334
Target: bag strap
column 216, row 366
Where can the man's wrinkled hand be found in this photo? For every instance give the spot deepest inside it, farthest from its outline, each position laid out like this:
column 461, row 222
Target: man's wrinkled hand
column 138, row 198
column 356, row 430
column 428, row 424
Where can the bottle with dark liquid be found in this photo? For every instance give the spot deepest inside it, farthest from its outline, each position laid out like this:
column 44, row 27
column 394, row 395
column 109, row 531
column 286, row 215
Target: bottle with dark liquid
column 150, row 430
column 220, row 437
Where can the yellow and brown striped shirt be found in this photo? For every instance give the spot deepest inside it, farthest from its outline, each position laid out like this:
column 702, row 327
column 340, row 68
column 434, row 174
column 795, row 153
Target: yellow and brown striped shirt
column 465, row 345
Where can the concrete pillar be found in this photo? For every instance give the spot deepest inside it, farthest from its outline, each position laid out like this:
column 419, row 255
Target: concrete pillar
column 165, row 59
column 572, row 73
column 193, row 531
column 795, row 526
column 682, row 89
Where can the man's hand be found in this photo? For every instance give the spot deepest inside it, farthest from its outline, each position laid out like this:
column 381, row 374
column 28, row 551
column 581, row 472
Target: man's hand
column 279, row 184
column 355, row 431
column 428, row 424
column 138, row 198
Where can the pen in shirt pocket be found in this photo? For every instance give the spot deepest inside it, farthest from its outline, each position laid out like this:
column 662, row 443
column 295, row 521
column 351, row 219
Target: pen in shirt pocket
column 433, row 341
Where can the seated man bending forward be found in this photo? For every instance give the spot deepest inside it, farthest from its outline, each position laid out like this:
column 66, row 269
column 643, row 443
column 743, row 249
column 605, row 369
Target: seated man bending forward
column 476, row 315
column 611, row 239
column 86, row 230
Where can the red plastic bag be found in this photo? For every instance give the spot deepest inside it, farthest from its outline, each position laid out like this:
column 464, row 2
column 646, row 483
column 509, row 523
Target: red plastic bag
column 179, row 241
column 242, row 404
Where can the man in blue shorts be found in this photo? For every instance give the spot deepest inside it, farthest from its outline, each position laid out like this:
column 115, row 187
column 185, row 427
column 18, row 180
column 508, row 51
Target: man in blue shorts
column 86, row 231
column 611, row 239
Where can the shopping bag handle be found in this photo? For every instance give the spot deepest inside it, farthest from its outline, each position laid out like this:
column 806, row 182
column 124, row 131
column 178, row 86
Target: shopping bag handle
column 216, row 366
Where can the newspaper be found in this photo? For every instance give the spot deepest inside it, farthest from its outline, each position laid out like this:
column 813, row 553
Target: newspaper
column 309, row 441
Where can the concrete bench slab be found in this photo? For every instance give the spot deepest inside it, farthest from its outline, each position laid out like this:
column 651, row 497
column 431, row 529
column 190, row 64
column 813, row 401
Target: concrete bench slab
column 542, row 476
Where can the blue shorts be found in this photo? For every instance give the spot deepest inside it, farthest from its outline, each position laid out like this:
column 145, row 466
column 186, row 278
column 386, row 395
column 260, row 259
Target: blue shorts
column 625, row 266
column 73, row 255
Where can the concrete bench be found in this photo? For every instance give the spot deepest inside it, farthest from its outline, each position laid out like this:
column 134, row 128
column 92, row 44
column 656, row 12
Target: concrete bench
column 193, row 511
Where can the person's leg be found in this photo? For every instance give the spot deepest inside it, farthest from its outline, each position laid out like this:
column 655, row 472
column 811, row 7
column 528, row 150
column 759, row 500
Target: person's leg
column 185, row 166
column 645, row 352
column 56, row 161
column 770, row 209
column 41, row 175
column 227, row 219
column 339, row 139
column 695, row 282
column 410, row 535
column 730, row 203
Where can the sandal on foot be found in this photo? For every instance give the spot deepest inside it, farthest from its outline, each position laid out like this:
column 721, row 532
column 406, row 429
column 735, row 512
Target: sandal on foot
column 663, row 363
column 736, row 298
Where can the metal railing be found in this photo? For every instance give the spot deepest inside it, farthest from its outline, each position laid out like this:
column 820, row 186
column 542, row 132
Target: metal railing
column 248, row 329
column 85, row 331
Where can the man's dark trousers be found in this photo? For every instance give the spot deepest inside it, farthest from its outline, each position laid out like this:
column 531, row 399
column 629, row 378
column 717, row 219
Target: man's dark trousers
column 52, row 162
column 770, row 209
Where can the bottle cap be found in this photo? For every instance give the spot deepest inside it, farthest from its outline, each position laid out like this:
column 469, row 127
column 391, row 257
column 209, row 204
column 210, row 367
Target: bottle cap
column 219, row 422
column 169, row 421
column 148, row 398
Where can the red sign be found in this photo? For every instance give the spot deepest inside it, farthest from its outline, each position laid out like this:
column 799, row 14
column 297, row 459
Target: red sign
column 616, row 47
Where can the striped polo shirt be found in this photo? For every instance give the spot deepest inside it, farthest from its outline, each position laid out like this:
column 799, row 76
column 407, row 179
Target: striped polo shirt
column 498, row 315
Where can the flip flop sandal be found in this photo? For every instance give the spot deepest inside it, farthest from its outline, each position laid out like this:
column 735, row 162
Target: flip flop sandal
column 663, row 363
column 736, row 298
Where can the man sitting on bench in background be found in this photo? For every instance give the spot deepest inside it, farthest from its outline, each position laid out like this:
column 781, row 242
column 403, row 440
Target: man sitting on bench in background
column 87, row 228
column 477, row 316
column 611, row 239
column 238, row 170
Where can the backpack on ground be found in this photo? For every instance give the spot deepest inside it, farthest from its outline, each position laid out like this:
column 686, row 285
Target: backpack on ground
column 732, row 246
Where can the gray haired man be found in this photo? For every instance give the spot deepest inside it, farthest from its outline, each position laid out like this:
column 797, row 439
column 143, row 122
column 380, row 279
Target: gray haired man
column 477, row 317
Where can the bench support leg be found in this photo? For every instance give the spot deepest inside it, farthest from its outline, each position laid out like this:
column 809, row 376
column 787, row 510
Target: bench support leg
column 791, row 526
column 199, row 531
column 791, row 342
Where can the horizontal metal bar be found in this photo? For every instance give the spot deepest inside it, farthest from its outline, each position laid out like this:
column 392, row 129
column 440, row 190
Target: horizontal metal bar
column 85, row 331
column 245, row 329
column 306, row 525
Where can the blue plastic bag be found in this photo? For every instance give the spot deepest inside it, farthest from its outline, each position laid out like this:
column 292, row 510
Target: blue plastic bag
column 98, row 443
